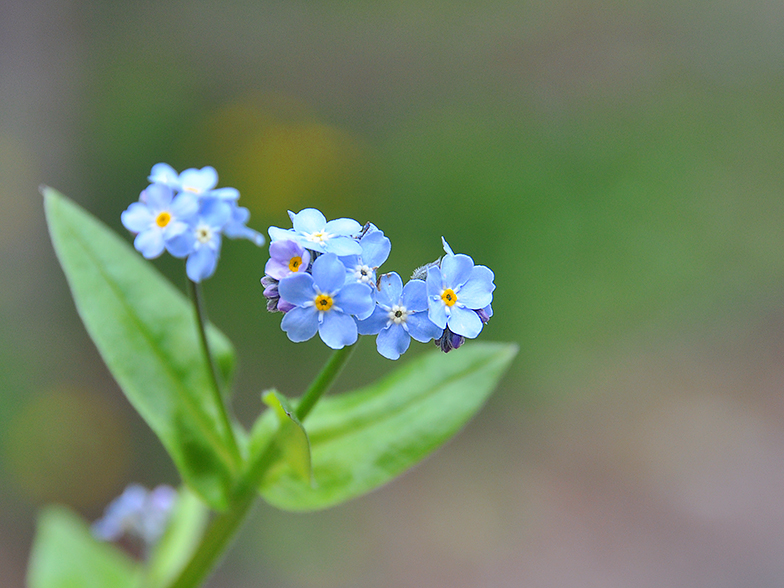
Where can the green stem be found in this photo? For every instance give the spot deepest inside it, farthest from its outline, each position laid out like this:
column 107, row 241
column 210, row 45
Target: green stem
column 225, row 525
column 323, row 381
column 201, row 315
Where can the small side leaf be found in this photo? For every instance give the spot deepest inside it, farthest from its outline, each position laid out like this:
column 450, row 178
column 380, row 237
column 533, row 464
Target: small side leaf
column 363, row 439
column 291, row 436
column 145, row 330
column 183, row 534
column 66, row 555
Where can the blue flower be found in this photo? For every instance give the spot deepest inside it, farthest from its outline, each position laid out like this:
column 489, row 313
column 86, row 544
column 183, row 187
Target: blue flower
column 375, row 251
column 456, row 291
column 399, row 315
column 201, row 242
column 137, row 513
column 286, row 258
column 200, row 182
column 190, row 224
column 323, row 303
column 312, row 231
column 158, row 218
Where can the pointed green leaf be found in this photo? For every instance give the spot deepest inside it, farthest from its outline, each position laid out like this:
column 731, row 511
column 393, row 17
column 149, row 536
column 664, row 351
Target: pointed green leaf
column 183, row 534
column 291, row 436
column 66, row 555
column 145, row 330
column 363, row 439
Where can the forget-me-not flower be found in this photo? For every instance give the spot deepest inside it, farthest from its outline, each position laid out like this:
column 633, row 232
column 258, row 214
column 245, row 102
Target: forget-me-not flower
column 324, row 303
column 201, row 242
column 399, row 315
column 312, row 231
column 286, row 258
column 456, row 291
column 158, row 217
column 375, row 251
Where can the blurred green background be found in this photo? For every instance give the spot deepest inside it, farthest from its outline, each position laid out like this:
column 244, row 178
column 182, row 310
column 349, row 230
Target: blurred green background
column 617, row 164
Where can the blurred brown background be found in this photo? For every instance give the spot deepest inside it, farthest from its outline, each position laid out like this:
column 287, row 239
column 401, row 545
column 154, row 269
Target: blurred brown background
column 617, row 164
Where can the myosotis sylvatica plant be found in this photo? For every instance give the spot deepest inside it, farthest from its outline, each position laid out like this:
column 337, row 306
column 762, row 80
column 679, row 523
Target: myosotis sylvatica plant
column 304, row 452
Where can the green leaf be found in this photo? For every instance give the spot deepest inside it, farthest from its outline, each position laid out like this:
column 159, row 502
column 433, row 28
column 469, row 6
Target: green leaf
column 146, row 332
column 291, row 437
column 65, row 555
column 363, row 439
column 183, row 534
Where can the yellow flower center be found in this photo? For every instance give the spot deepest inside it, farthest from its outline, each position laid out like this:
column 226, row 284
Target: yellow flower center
column 323, row 302
column 320, row 237
column 294, row 263
column 449, row 297
column 163, row 219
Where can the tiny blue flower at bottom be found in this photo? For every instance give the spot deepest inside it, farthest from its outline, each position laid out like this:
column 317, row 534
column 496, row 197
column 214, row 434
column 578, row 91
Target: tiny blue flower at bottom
column 137, row 513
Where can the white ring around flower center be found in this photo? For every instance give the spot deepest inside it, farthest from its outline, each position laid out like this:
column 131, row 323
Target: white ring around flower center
column 363, row 273
column 398, row 314
column 203, row 234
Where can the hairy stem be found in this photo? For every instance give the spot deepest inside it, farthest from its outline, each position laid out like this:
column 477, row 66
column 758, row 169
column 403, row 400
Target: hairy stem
column 225, row 525
column 201, row 315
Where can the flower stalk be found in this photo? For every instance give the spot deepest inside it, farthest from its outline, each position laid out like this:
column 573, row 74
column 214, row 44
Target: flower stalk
column 217, row 386
column 225, row 525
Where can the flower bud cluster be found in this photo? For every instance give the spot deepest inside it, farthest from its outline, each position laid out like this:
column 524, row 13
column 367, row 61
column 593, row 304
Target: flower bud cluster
column 186, row 215
column 322, row 276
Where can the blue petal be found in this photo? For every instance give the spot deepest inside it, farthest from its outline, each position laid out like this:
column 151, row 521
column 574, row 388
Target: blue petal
column 308, row 220
column 436, row 311
column 414, row 295
column 342, row 246
column 435, row 281
column 343, row 226
column 465, row 322
column 390, row 287
column 300, row 323
column 137, row 217
column 297, row 289
column 477, row 292
column 393, row 342
column 159, row 197
column 277, row 234
column 328, row 273
column 185, row 205
column 199, row 180
column 356, row 299
column 163, row 173
column 149, row 243
column 374, row 323
column 182, row 244
column 174, row 229
column 337, row 330
column 421, row 328
column 201, row 264
column 375, row 248
column 447, row 248
column 215, row 213
column 225, row 193
column 456, row 269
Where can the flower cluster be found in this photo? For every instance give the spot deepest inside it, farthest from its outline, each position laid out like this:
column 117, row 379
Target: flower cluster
column 138, row 514
column 186, row 215
column 322, row 275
